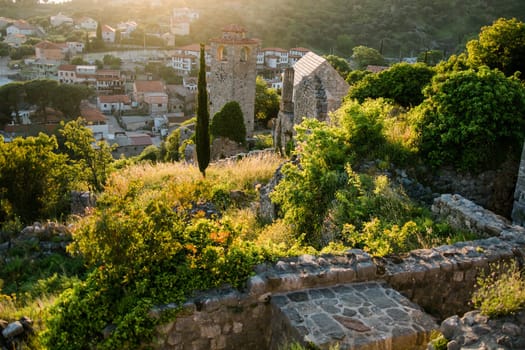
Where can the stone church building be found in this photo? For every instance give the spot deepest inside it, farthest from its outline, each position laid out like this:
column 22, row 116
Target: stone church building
column 311, row 89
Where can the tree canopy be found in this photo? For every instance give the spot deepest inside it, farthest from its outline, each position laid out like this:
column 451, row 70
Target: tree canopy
column 403, row 83
column 229, row 123
column 470, row 119
column 500, row 45
column 266, row 101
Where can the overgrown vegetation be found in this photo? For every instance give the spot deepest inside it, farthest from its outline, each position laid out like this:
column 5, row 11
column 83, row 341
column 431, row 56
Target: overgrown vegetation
column 500, row 291
column 161, row 231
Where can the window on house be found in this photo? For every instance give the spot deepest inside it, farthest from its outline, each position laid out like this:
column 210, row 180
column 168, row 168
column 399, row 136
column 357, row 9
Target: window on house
column 159, row 105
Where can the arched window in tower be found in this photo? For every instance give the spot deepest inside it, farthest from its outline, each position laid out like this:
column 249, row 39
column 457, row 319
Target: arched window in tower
column 222, row 54
column 245, row 52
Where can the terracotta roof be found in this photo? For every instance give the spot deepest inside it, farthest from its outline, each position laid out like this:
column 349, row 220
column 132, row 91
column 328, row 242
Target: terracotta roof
column 303, row 49
column 106, row 28
column 67, row 67
column 277, row 49
column 92, row 115
column 192, row 47
column 47, row 45
column 235, row 28
column 21, row 24
column 114, row 99
column 112, row 72
column 376, row 69
column 149, row 86
column 140, row 140
column 244, row 41
column 157, row 99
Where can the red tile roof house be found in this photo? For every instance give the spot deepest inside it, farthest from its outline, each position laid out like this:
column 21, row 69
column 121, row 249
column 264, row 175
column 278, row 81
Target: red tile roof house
column 113, row 103
column 96, row 121
column 151, row 93
column 108, row 34
column 46, row 50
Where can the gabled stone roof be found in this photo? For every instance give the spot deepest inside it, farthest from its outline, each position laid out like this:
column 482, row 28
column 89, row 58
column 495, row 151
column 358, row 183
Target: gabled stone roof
column 307, row 66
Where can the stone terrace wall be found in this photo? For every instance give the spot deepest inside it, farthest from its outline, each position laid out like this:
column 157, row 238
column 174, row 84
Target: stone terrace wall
column 440, row 280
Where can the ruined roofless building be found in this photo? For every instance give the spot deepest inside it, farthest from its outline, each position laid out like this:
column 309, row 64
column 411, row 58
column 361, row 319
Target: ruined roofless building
column 233, row 73
column 311, row 89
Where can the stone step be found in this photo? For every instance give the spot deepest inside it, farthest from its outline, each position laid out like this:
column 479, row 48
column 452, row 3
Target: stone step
column 357, row 316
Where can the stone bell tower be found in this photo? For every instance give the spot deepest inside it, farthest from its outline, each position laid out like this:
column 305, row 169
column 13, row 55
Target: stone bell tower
column 233, row 72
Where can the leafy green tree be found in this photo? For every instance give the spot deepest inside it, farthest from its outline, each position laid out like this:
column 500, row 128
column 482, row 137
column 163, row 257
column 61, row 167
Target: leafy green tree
column 266, row 101
column 17, row 53
column 4, row 49
column 11, row 97
column 35, row 180
column 40, row 92
column 403, row 83
column 430, row 57
column 67, row 98
column 112, row 61
column 339, row 64
column 93, row 157
column 364, row 56
column 470, row 119
column 229, row 123
column 501, row 46
column 309, row 186
column 78, row 60
column 344, row 44
column 99, row 31
column 356, row 75
column 202, row 133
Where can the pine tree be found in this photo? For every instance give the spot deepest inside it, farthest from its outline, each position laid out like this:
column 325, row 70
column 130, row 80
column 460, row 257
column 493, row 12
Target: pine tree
column 202, row 134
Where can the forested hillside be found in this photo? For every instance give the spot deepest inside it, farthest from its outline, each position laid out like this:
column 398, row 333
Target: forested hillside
column 397, row 27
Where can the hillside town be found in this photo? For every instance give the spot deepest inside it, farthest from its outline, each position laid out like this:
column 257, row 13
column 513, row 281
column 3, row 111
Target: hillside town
column 132, row 106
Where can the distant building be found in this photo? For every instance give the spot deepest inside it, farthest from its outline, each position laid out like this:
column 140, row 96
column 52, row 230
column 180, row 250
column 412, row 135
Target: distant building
column 151, row 93
column 181, row 19
column 60, row 19
column 46, row 50
column 296, row 53
column 108, row 34
column 109, row 81
column 15, row 40
column 186, row 58
column 72, row 74
column 87, row 23
column 126, row 28
column 75, row 47
column 96, row 121
column 113, row 103
column 22, row 27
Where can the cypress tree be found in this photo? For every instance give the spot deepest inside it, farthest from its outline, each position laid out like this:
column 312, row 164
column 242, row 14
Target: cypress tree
column 202, row 133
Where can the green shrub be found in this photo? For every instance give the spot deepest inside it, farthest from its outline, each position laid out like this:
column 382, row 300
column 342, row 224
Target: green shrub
column 229, row 123
column 403, row 83
column 500, row 292
column 471, row 119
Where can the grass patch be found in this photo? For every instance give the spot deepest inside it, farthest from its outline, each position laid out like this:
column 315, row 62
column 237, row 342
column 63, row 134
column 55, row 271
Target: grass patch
column 501, row 291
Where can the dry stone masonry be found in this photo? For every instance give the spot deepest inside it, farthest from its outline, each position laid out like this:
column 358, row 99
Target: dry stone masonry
column 368, row 315
column 341, row 290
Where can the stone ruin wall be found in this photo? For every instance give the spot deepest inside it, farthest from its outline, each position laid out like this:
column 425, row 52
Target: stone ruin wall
column 440, row 280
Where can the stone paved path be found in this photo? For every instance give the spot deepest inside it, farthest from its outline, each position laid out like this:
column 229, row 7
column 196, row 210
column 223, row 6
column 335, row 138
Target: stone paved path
column 362, row 316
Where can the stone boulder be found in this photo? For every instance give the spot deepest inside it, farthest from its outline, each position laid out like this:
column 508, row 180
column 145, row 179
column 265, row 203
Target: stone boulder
column 476, row 331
